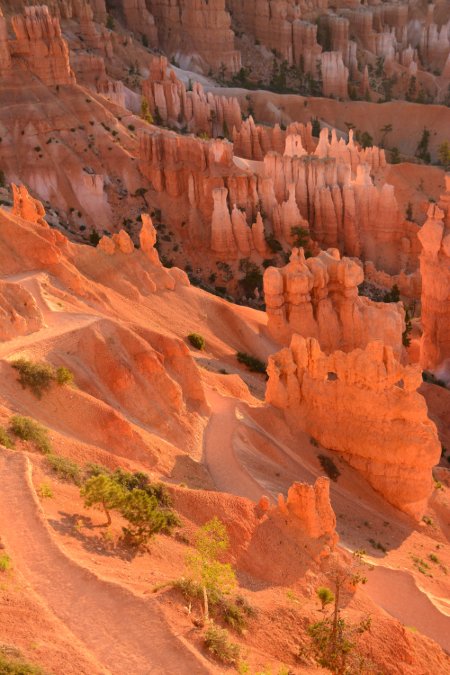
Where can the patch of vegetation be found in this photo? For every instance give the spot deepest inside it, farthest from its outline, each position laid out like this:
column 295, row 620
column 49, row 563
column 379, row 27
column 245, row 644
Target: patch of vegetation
column 5, row 563
column 329, row 467
column 215, row 578
column 94, row 237
column 422, row 566
column 252, row 279
column 334, row 640
column 15, row 665
column 377, row 545
column 5, row 439
column 45, row 491
column 273, row 244
column 393, row 295
column 145, row 505
column 145, row 111
column 29, row 430
column 38, row 377
column 65, row 468
column 252, row 363
column 325, row 595
column 422, row 151
column 429, row 377
column 301, row 239
column 197, row 340
column 218, row 644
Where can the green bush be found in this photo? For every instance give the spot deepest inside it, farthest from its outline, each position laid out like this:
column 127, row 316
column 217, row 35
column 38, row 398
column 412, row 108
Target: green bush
column 329, row 467
column 35, row 376
column 64, row 375
column 65, row 468
column 39, row 376
column 196, row 340
column 30, row 430
column 144, row 516
column 17, row 666
column 5, row 564
column 5, row 439
column 252, row 363
column 218, row 644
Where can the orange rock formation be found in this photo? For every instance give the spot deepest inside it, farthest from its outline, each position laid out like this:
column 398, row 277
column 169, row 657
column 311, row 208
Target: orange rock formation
column 318, row 298
column 364, row 405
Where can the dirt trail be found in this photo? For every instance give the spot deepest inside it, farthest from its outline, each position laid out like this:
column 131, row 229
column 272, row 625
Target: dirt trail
column 125, row 633
column 227, row 473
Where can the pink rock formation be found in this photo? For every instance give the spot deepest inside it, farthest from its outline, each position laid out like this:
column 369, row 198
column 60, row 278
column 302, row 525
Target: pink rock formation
column 318, row 297
column 379, row 422
column 5, row 56
column 39, row 43
column 334, row 75
column 435, row 271
column 192, row 110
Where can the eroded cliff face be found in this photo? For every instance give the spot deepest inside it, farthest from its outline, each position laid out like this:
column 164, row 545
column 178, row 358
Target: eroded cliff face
column 435, row 271
column 39, row 43
column 198, row 32
column 365, row 405
column 318, row 298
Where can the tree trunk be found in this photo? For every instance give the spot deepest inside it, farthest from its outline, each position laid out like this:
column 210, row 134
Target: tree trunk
column 205, row 602
column 107, row 514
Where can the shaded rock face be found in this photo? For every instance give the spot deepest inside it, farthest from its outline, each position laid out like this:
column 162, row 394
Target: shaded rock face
column 364, row 405
column 198, row 32
column 318, row 298
column 435, row 271
column 39, row 43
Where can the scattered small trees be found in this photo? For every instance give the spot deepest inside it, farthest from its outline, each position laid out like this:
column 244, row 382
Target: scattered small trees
column 143, row 515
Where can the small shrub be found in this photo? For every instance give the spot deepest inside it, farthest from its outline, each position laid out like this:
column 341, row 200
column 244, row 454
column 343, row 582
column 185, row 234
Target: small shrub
column 64, row 375
column 38, row 377
column 5, row 563
column 252, row 363
column 5, row 439
column 30, row 430
column 329, row 467
column 45, row 491
column 234, row 616
column 35, row 376
column 65, row 468
column 94, row 238
column 219, row 645
column 12, row 665
column 325, row 595
column 196, row 340
column 144, row 516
